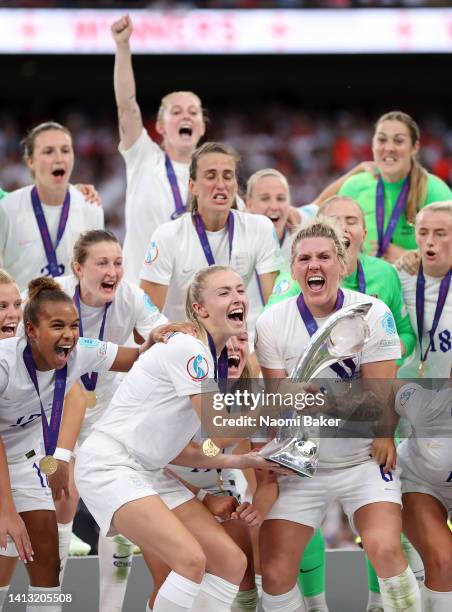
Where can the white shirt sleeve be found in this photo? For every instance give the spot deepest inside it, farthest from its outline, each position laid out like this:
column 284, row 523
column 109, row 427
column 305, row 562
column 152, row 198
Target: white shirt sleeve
column 189, row 366
column 143, row 151
column 95, row 355
column 4, row 375
column 269, row 257
column 384, row 342
column 148, row 316
column 159, row 260
column 4, row 224
column 265, row 343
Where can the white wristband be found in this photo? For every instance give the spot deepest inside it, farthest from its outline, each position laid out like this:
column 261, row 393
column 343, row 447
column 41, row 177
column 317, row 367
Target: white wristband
column 63, row 454
column 201, row 494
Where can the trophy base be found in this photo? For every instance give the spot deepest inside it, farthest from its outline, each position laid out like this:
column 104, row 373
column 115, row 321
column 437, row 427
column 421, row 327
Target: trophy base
column 298, row 455
column 299, row 471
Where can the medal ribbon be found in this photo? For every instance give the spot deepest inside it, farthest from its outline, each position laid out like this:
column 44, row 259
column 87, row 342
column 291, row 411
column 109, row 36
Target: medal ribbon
column 49, row 432
column 312, row 327
column 179, row 207
column 201, row 231
column 53, row 267
column 384, row 237
column 220, row 365
column 89, row 381
column 361, row 278
column 420, row 300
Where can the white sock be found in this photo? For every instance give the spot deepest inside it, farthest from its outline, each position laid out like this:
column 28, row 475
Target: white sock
column 316, row 603
column 374, row 602
column 414, row 559
column 258, row 581
column 115, row 562
column 3, row 594
column 436, row 601
column 148, row 609
column 245, row 600
column 216, row 594
column 176, row 594
column 64, row 541
column 400, row 592
column 44, row 591
column 287, row 602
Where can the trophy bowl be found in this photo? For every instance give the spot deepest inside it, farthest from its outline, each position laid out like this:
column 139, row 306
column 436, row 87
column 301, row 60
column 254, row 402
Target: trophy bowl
column 342, row 337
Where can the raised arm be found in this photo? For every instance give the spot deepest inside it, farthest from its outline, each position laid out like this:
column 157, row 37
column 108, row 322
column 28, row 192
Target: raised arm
column 129, row 114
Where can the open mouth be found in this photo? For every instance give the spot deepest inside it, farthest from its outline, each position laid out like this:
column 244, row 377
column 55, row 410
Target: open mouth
column 274, row 218
column 233, row 361
column 185, row 130
column 315, row 283
column 430, row 253
column 238, row 314
column 220, row 198
column 9, row 330
column 108, row 285
column 346, row 242
column 62, row 350
column 58, row 172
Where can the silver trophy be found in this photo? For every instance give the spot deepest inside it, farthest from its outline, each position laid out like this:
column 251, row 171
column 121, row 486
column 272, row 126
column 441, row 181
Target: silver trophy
column 342, row 337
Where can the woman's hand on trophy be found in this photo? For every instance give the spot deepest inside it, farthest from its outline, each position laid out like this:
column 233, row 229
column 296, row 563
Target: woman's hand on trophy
column 257, row 462
column 384, row 453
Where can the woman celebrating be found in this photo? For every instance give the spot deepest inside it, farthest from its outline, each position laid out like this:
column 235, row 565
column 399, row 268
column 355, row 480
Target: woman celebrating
column 391, row 196
column 59, row 211
column 157, row 180
column 131, row 493
column 428, row 295
column 211, row 233
column 110, row 309
column 368, row 488
column 36, row 372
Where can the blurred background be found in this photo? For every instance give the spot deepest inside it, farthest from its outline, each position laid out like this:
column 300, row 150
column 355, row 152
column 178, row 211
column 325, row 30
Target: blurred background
column 300, row 100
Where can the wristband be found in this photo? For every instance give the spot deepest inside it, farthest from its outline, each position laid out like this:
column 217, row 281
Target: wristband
column 63, row 454
column 201, row 494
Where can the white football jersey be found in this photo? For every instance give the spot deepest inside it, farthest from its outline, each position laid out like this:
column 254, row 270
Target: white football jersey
column 22, row 253
column 439, row 358
column 20, row 411
column 175, row 254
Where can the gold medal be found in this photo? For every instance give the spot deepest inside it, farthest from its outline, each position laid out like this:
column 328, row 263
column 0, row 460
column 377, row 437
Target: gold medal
column 92, row 399
column 48, row 465
column 421, row 369
column 209, row 448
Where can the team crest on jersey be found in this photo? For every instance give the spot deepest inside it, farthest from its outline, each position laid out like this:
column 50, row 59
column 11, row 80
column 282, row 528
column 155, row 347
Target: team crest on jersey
column 281, row 287
column 149, row 303
column 197, row 367
column 388, row 324
column 152, row 253
column 406, row 394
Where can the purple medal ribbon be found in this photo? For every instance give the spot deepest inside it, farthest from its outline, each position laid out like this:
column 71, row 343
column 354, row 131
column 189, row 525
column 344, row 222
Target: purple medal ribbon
column 384, row 237
column 420, row 299
column 89, row 381
column 50, row 432
column 361, row 277
column 312, row 327
column 53, row 268
column 180, row 207
column 220, row 364
column 201, row 231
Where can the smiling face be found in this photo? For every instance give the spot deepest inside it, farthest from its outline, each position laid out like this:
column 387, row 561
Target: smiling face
column 434, row 238
column 55, row 336
column 351, row 219
column 238, row 351
column 100, row 273
column 318, row 271
column 181, row 123
column 270, row 197
column 10, row 310
column 223, row 305
column 52, row 160
column 393, row 149
column 215, row 185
